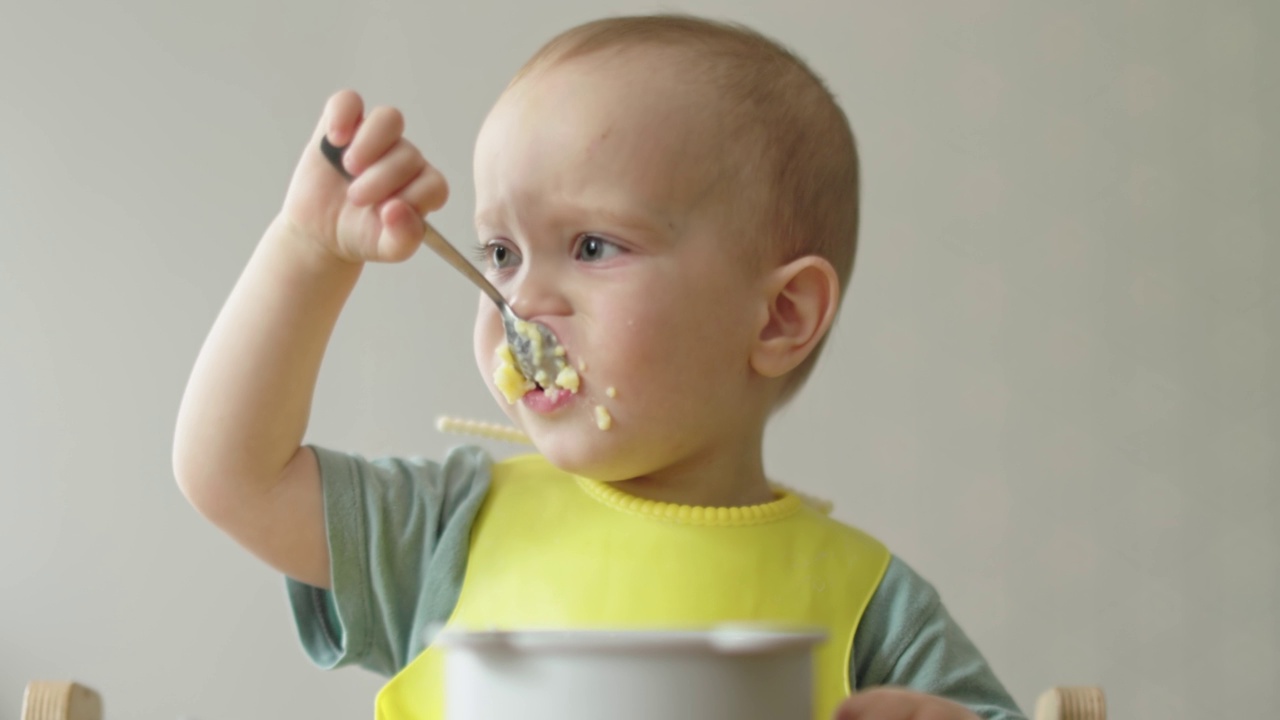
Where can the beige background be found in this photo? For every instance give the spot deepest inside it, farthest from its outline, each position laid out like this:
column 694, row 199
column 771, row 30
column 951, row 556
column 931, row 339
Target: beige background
column 1053, row 390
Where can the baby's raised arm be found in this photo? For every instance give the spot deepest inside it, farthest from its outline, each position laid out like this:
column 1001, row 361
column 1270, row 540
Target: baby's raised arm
column 237, row 451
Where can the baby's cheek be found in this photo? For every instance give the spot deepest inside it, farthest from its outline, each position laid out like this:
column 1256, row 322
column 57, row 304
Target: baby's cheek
column 645, row 341
column 485, row 337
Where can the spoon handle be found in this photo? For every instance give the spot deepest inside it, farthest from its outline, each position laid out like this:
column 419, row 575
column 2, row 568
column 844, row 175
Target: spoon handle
column 431, row 238
column 434, row 240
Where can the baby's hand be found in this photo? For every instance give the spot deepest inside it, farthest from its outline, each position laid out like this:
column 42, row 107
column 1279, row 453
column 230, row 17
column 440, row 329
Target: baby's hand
column 377, row 216
column 898, row 704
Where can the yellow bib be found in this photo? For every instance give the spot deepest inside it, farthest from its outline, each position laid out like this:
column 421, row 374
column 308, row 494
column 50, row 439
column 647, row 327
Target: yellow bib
column 552, row 550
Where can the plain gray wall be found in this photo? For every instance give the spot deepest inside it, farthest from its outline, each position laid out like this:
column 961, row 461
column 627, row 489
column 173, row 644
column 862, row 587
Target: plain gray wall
column 1053, row 389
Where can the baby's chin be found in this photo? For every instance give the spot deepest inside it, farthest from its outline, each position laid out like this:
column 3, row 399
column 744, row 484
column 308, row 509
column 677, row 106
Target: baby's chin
column 595, row 456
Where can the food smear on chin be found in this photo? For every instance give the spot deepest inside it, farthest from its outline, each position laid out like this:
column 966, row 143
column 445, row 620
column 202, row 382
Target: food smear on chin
column 604, row 420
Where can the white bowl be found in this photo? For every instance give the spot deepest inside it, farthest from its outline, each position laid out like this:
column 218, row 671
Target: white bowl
column 738, row 672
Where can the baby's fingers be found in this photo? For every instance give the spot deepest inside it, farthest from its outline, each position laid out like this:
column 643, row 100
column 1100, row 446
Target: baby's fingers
column 393, row 171
column 427, row 192
column 341, row 117
column 379, row 132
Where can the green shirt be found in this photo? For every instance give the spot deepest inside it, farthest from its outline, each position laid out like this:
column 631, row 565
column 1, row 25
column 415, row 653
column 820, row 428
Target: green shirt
column 399, row 530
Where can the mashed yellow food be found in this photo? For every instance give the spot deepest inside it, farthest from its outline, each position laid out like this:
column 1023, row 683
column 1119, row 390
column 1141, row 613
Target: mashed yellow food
column 508, row 378
column 568, row 379
column 604, row 420
column 513, row 384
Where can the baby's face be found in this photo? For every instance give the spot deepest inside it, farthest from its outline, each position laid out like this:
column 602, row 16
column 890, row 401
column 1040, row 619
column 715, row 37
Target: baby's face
column 594, row 194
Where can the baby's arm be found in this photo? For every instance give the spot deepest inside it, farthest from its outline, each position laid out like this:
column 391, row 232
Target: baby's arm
column 237, row 452
column 909, row 653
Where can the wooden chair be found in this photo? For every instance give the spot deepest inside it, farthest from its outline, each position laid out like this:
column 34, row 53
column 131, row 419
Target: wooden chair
column 60, row 700
column 45, row 700
column 1072, row 703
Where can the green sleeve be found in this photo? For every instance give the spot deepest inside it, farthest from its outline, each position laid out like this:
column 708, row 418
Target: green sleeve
column 398, row 530
column 907, row 639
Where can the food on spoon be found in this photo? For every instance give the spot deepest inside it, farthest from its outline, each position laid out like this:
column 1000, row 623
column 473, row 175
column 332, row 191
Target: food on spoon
column 513, row 384
column 529, row 331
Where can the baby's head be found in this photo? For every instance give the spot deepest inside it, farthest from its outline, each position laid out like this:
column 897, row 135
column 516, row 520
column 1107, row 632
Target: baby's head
column 677, row 200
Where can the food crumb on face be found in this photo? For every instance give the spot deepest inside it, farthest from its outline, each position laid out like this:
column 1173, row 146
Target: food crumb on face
column 582, row 365
column 508, row 378
column 604, row 420
column 611, row 392
column 568, row 379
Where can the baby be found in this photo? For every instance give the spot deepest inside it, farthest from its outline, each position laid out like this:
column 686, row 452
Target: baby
column 677, row 201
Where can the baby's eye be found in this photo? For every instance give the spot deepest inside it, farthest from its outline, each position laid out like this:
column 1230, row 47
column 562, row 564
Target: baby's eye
column 593, row 248
column 501, row 256
column 498, row 255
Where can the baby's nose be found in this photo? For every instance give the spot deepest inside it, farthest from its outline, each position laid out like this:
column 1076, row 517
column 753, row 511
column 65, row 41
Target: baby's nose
column 539, row 294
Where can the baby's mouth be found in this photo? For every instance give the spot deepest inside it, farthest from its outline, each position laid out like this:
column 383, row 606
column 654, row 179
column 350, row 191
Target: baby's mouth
column 514, row 385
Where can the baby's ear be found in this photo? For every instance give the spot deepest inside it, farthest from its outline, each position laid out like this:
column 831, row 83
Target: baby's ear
column 802, row 297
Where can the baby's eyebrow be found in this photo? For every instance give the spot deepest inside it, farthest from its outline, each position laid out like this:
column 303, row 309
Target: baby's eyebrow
column 487, row 217
column 640, row 222
column 580, row 213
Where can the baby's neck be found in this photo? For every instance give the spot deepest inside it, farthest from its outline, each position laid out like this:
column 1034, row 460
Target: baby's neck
column 725, row 481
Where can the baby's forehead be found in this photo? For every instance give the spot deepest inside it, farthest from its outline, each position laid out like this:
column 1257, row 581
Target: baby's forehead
column 632, row 117
column 637, row 96
column 645, row 92
column 658, row 79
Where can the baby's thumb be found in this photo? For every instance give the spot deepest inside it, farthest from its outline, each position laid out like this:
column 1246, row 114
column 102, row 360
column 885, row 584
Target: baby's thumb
column 402, row 230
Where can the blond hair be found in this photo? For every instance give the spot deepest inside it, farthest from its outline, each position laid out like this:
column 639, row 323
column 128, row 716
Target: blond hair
column 804, row 150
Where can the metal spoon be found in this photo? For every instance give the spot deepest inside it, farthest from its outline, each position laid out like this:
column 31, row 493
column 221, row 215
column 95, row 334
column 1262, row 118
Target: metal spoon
column 536, row 356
